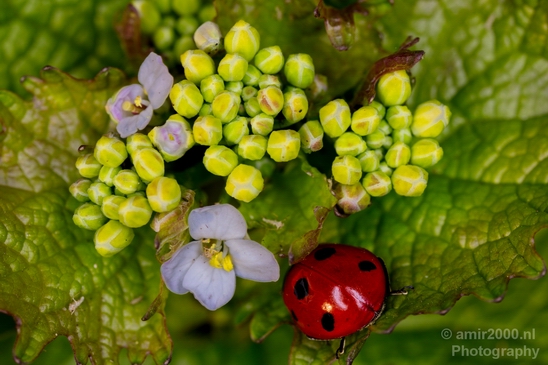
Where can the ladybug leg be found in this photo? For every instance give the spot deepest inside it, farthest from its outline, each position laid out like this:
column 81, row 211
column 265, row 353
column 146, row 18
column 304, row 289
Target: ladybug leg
column 340, row 350
column 402, row 291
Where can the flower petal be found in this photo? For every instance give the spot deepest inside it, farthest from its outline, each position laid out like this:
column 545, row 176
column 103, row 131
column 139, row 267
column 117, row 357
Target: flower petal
column 156, row 79
column 130, row 125
column 212, row 287
column 253, row 261
column 175, row 269
column 114, row 106
column 221, row 222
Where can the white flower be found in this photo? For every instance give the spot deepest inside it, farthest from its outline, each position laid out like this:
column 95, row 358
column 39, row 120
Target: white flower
column 208, row 267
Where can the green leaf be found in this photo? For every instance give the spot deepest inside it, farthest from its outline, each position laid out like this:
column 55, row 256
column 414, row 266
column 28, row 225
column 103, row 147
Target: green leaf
column 51, row 278
column 76, row 36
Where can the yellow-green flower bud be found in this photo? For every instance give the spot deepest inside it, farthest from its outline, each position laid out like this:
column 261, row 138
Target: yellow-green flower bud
column 112, row 238
column 351, row 198
column 262, row 124
column 318, row 89
column 271, row 100
column 394, row 88
column 234, row 131
column 220, row 160
column 385, row 128
column 426, row 153
column 377, row 183
column 365, row 120
column 299, row 70
column 295, row 105
column 186, row 98
column 88, row 166
column 89, row 216
column 185, row 7
column 265, row 165
column 149, row 15
column 350, row 144
column 183, row 44
column 164, row 194
column 409, row 180
column 235, row 87
column 211, row 86
column 127, row 181
column 79, row 190
column 208, row 37
column 369, row 161
column 346, row 169
column 269, row 80
column 244, row 183
column 135, row 211
column 335, row 118
column 399, row 116
column 402, row 135
column 387, row 143
column 430, row 119
column 110, row 151
column 187, row 25
column 380, row 108
column 225, row 106
column 398, row 154
column 243, row 39
column 137, row 141
column 107, row 174
column 385, row 168
column 163, row 37
column 97, row 191
column 232, row 67
column 198, row 65
column 205, row 110
column 111, row 206
column 269, row 60
column 207, row 130
column 252, row 76
column 207, row 12
column 252, row 107
column 148, row 163
column 284, row 145
column 375, row 140
column 311, row 136
column 248, row 92
column 173, row 138
column 252, row 147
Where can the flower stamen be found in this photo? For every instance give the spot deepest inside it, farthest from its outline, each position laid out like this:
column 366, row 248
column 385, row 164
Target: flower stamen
column 218, row 261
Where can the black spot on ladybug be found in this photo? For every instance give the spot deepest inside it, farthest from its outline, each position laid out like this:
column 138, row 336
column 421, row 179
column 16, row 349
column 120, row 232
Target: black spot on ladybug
column 294, row 316
column 301, row 288
column 328, row 322
column 366, row 265
column 324, row 253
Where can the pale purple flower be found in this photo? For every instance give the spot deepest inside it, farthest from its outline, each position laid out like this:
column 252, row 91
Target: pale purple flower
column 208, row 266
column 173, row 138
column 132, row 106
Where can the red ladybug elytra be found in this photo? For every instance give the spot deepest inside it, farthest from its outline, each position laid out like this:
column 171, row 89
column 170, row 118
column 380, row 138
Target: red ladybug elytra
column 336, row 291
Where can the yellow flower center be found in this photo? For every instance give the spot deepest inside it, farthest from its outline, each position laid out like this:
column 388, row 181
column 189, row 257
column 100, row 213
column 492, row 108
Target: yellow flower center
column 217, row 258
column 136, row 107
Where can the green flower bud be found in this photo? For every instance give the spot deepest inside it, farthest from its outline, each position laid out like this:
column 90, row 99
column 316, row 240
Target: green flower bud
column 252, row 147
column 399, row 116
column 351, row 198
column 225, row 106
column 163, row 37
column 164, row 6
column 252, row 107
column 187, row 25
column 350, row 144
column 385, row 168
column 375, row 140
column 97, row 191
column 207, row 130
column 89, row 216
column 220, row 160
column 377, row 183
column 173, row 138
column 299, row 70
column 112, row 238
column 164, row 194
column 207, row 13
column 235, row 130
column 111, row 206
column 346, row 169
column 186, row 98
column 265, row 165
column 235, row 87
column 205, row 110
column 148, row 163
column 244, row 183
column 198, row 65
column 183, row 44
column 135, row 212
column 79, row 190
column 426, row 153
column 295, row 105
column 387, row 143
column 394, row 88
column 248, row 92
column 88, row 166
column 380, row 108
column 232, row 67
column 127, row 181
column 269, row 60
column 271, row 100
column 185, row 7
column 262, row 124
column 397, row 155
column 284, row 145
column 402, row 135
column 149, row 16
column 211, row 86
column 409, row 180
column 107, row 174
column 137, row 141
column 252, row 76
column 269, row 80
column 385, row 128
column 365, row 120
column 335, row 117
column 318, row 89
column 380, row 153
column 430, row 119
column 369, row 161
column 311, row 136
column 208, row 37
column 110, row 151
column 243, row 39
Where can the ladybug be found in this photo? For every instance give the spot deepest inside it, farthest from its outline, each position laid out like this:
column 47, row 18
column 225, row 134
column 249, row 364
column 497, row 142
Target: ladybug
column 335, row 291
